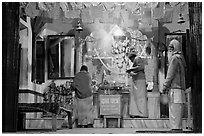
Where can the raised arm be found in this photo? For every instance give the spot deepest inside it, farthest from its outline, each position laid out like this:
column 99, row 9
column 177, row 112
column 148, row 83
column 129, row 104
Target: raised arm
column 138, row 65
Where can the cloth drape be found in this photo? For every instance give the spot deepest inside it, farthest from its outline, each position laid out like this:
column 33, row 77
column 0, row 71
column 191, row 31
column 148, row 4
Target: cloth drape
column 138, row 98
column 83, row 110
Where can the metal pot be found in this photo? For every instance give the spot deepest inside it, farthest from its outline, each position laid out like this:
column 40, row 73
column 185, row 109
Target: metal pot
column 164, row 98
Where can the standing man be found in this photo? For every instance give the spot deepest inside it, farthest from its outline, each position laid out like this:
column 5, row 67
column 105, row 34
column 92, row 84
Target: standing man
column 175, row 84
column 83, row 102
column 138, row 92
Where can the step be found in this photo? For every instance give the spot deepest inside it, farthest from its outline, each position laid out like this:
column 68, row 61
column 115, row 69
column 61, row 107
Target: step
column 139, row 123
column 43, row 123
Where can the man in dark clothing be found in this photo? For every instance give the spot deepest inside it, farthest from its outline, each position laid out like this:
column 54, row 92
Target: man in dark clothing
column 83, row 102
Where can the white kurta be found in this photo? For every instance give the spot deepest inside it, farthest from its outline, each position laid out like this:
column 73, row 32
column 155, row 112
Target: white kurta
column 175, row 81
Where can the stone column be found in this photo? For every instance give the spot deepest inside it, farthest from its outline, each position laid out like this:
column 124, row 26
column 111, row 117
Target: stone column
column 154, row 96
column 195, row 19
column 10, row 65
column 153, row 105
column 77, row 52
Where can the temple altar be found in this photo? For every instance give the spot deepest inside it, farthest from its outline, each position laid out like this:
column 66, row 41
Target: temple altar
column 153, row 103
column 154, row 120
column 121, row 93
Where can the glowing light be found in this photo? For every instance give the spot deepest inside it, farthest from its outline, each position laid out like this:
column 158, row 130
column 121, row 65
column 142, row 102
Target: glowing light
column 116, row 31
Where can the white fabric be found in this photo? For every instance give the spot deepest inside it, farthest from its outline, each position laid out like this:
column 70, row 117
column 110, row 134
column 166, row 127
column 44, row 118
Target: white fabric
column 138, row 99
column 177, row 96
column 175, row 115
column 83, row 110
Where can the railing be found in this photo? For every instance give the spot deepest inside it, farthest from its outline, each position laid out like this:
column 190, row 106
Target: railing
column 56, row 100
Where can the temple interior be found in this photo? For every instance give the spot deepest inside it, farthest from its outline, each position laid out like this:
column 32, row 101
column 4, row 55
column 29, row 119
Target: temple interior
column 49, row 42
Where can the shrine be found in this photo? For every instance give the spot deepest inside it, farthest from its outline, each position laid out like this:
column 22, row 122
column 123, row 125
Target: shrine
column 55, row 39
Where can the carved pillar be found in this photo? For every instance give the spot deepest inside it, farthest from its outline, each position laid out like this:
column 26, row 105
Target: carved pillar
column 154, row 96
column 153, row 105
column 78, row 57
column 155, row 76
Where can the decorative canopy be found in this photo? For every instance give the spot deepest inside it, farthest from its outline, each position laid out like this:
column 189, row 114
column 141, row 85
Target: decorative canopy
column 107, row 12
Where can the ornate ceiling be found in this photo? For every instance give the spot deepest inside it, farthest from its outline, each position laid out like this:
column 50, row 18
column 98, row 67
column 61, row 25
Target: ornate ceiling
column 107, row 12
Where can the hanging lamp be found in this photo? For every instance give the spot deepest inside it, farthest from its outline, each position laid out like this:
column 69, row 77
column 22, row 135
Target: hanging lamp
column 181, row 19
column 79, row 27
